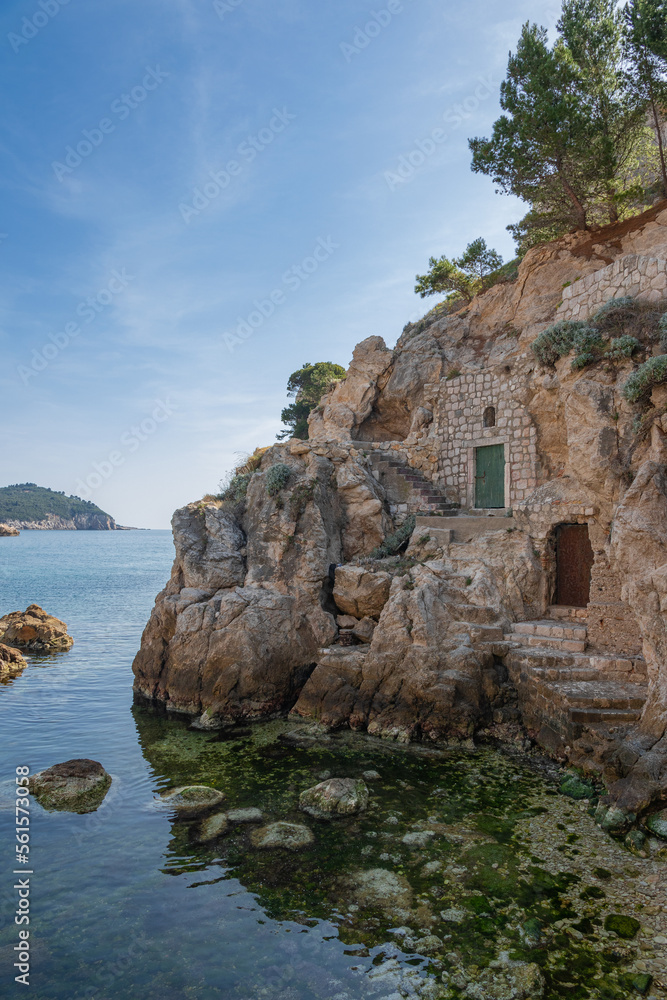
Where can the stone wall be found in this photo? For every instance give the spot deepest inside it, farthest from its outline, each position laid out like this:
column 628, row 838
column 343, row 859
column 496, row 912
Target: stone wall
column 643, row 278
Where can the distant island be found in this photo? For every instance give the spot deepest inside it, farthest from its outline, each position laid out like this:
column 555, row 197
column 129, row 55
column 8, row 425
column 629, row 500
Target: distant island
column 32, row 507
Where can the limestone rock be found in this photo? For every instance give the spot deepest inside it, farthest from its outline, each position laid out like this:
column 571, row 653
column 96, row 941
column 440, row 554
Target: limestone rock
column 346, row 621
column 378, row 887
column 245, row 816
column 11, row 663
column 360, row 592
column 351, row 401
column 364, row 630
column 35, row 631
column 190, row 800
column 335, row 797
column 213, row 827
column 6, row 531
column 285, row 836
column 77, row 786
column 208, row 548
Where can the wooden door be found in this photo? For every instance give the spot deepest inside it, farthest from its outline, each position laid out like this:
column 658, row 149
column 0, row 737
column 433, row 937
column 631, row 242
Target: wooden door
column 490, row 476
column 574, row 562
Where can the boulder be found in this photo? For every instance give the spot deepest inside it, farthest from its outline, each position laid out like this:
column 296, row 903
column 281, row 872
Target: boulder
column 360, row 592
column 190, row 800
column 286, row 836
column 245, row 816
column 657, row 824
column 213, row 827
column 346, row 621
column 6, row 531
column 378, row 887
column 35, row 630
column 364, row 630
column 335, row 797
column 11, row 663
column 77, row 786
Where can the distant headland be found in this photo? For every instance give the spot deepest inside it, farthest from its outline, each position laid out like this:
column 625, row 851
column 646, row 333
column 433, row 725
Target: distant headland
column 32, row 507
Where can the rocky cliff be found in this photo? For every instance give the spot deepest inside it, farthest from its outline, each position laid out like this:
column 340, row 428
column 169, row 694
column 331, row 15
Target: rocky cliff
column 290, row 601
column 36, row 508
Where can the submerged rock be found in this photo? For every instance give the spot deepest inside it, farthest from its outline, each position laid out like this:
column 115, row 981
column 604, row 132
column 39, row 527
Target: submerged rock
column 11, row 663
column 213, row 827
column 625, row 927
column 289, row 836
column 657, row 824
column 35, row 630
column 77, row 786
column 245, row 816
column 192, row 799
column 419, row 838
column 381, row 888
column 335, row 797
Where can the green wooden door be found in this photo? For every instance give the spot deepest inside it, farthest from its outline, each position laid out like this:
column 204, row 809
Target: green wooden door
column 490, row 476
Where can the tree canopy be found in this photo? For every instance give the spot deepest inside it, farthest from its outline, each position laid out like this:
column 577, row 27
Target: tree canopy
column 307, row 386
column 574, row 141
column 463, row 276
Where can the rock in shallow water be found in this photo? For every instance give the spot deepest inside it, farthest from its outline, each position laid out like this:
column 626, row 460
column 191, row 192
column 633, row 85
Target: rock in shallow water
column 77, row 786
column 11, row 663
column 192, row 799
column 35, row 630
column 657, row 824
column 245, row 816
column 213, row 827
column 289, row 836
column 335, row 797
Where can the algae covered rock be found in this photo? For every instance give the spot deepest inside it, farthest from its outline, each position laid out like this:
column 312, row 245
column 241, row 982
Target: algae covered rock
column 573, row 786
column 213, row 827
column 378, row 887
column 77, row 786
column 288, row 836
column 625, row 927
column 335, row 797
column 192, row 799
column 35, row 630
column 245, row 816
column 657, row 824
column 11, row 663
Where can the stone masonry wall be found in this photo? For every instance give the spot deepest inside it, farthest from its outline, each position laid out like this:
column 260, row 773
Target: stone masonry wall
column 643, row 278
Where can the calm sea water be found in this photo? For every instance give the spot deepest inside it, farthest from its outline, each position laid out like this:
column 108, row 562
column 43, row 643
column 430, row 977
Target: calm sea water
column 128, row 904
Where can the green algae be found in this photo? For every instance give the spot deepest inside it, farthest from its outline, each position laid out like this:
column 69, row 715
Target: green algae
column 472, row 802
column 625, row 927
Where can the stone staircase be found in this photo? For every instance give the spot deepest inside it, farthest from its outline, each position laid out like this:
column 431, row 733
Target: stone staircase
column 566, row 685
column 405, row 485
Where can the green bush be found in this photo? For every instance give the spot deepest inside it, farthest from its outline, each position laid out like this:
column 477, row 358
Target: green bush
column 589, row 347
column 558, row 340
column 277, row 478
column 237, row 488
column 393, row 544
column 623, row 347
column 662, row 326
column 625, row 302
column 653, row 372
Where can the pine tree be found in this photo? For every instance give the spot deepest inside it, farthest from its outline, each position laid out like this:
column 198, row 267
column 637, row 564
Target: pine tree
column 646, row 41
column 307, row 386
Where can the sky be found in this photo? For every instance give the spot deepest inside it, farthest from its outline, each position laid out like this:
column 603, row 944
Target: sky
column 199, row 196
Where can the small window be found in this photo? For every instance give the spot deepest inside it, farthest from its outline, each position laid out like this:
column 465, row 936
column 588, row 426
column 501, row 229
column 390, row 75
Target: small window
column 490, row 416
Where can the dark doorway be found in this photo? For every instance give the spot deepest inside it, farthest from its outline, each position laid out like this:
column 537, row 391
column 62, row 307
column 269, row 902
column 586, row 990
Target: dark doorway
column 490, row 416
column 574, row 562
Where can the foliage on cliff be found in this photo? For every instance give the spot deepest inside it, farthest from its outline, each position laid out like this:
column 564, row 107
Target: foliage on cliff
column 581, row 138
column 28, row 502
column 307, row 386
column 464, row 276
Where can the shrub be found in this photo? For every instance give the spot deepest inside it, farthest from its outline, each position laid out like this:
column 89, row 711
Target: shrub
column 662, row 327
column 558, row 340
column 589, row 347
column 302, row 494
column 623, row 347
column 393, row 544
column 653, row 372
column 236, row 489
column 625, row 302
column 277, row 478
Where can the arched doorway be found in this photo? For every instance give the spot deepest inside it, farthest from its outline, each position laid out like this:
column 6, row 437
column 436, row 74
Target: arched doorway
column 574, row 562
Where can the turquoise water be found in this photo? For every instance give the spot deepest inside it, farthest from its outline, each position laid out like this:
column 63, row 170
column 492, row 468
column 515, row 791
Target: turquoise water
column 126, row 903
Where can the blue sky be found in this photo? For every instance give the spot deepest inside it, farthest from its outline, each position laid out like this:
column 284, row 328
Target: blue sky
column 200, row 196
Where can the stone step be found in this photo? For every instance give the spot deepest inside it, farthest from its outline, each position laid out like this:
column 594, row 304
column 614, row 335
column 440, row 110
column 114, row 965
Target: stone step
column 550, row 630
column 481, row 615
column 603, row 694
column 482, row 633
column 599, row 716
column 545, row 644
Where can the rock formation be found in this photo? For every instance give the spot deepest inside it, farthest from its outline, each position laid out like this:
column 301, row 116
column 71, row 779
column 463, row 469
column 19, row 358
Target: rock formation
column 534, row 584
column 6, row 531
column 78, row 786
column 11, row 663
column 35, row 631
